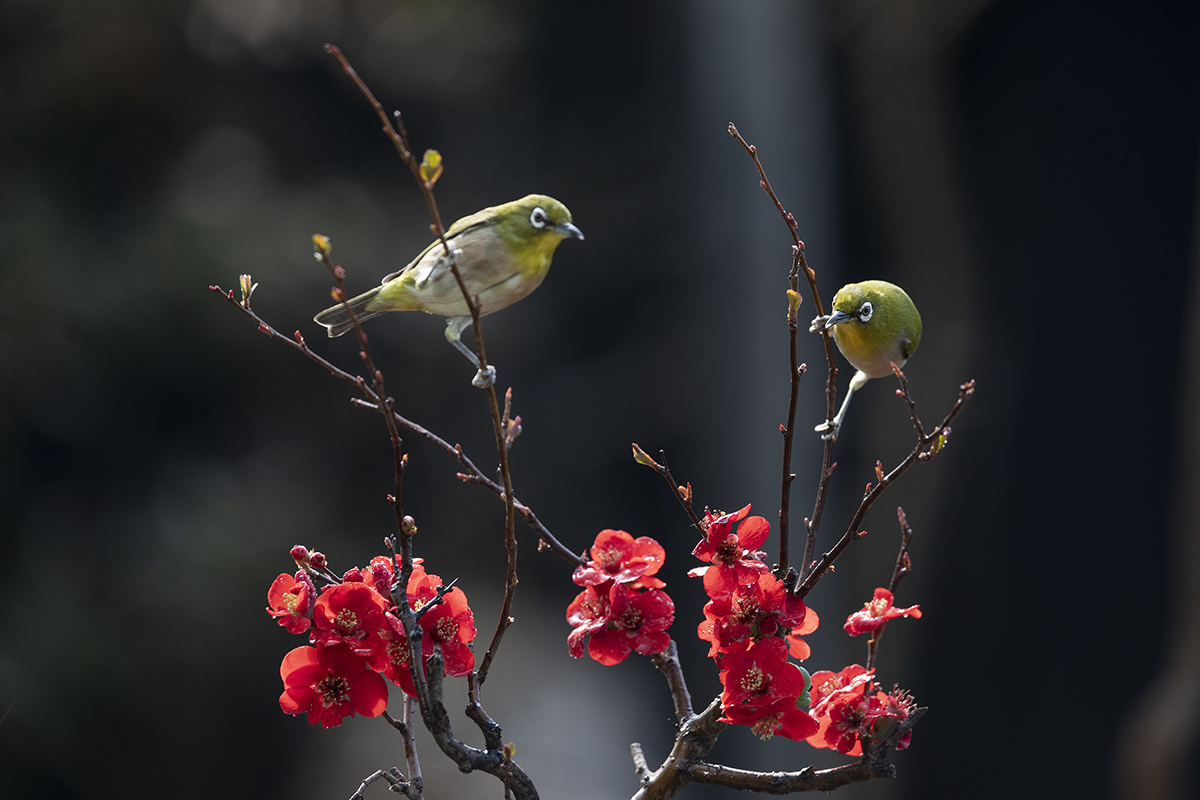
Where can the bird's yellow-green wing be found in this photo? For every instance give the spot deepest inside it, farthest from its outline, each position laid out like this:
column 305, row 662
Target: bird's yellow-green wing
column 468, row 223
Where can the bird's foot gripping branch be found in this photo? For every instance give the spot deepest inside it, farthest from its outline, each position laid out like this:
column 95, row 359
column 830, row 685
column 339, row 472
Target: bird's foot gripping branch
column 393, row 623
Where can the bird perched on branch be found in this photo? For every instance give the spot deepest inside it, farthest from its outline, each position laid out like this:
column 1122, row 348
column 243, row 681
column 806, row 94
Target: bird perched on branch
column 875, row 324
column 502, row 252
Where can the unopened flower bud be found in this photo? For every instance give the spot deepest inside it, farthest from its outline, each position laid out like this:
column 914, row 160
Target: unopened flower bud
column 317, row 559
column 337, row 294
column 321, row 246
column 300, row 554
column 353, row 575
column 408, row 526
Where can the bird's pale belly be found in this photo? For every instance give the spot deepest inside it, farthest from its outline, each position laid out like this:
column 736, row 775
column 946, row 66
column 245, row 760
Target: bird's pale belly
column 858, row 351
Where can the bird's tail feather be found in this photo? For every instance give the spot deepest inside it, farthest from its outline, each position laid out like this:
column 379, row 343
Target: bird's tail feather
column 337, row 318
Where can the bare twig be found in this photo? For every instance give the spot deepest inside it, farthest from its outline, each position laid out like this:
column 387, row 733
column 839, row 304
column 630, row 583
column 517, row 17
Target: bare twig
column 684, row 496
column 806, row 780
column 547, row 541
column 902, row 568
column 396, row 784
column 797, row 369
column 812, row 524
column 433, row 714
column 667, row 662
column 640, row 766
column 410, row 748
column 928, row 444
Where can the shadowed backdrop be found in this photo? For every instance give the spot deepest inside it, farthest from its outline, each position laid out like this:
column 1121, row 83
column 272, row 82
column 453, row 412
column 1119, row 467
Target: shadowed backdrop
column 1026, row 170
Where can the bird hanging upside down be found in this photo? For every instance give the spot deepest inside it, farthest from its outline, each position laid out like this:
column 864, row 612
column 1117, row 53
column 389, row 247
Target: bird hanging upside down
column 502, row 252
column 875, row 324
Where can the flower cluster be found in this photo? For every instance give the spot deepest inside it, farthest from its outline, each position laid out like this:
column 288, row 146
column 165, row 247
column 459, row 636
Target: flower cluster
column 850, row 713
column 357, row 638
column 753, row 624
column 621, row 609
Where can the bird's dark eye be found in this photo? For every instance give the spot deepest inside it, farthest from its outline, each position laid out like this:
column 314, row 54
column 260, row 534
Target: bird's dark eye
column 865, row 311
column 538, row 218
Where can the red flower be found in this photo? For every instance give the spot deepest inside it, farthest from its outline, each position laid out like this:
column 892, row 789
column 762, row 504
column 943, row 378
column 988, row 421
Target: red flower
column 892, row 709
column 617, row 556
column 754, row 611
column 627, row 621
column 451, row 626
column 830, row 690
column 379, row 576
column 291, row 601
column 877, row 612
column 351, row 613
column 781, row 716
column 397, row 656
column 849, row 723
column 760, row 675
column 828, row 687
column 734, row 556
column 587, row 613
column 330, row 684
column 798, row 648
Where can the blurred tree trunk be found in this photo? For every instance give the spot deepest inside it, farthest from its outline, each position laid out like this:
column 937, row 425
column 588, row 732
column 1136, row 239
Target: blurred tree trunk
column 903, row 122
column 1156, row 745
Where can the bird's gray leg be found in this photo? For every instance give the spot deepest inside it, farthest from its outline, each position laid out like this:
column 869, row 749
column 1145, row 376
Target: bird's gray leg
column 454, row 328
column 830, row 428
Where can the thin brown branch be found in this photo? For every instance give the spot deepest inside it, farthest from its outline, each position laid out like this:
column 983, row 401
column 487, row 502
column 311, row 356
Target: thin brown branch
column 640, row 765
column 902, row 568
column 492, row 760
column 927, row 446
column 812, row 523
column 487, row 726
column 412, row 787
column 695, row 739
column 684, row 496
column 794, row 373
column 806, row 780
column 400, row 141
column 403, row 147
column 410, row 748
column 396, row 784
column 667, row 662
column 546, row 540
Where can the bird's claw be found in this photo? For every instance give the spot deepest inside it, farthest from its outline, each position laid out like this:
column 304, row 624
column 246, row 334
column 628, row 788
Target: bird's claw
column 818, row 324
column 484, row 378
column 828, row 430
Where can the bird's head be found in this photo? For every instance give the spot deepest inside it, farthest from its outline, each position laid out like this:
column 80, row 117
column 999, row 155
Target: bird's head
column 858, row 303
column 536, row 220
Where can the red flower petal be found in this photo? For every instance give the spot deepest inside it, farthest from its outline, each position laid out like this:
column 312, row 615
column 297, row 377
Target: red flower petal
column 752, row 532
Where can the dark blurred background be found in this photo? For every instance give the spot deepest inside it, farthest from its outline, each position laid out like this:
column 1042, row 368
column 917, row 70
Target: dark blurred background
column 1027, row 170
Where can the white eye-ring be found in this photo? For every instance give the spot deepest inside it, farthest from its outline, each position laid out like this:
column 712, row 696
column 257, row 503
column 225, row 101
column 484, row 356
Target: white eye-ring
column 538, row 218
column 865, row 311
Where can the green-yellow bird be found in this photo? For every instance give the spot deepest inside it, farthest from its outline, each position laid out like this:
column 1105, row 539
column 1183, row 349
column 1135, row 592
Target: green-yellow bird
column 874, row 324
column 503, row 253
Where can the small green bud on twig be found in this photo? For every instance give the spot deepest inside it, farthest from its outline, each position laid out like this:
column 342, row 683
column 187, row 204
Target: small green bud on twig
column 793, row 305
column 639, row 455
column 431, row 167
column 321, row 246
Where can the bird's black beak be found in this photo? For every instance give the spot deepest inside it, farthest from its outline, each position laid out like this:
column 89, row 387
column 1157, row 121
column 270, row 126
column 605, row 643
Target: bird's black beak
column 837, row 318
column 567, row 229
